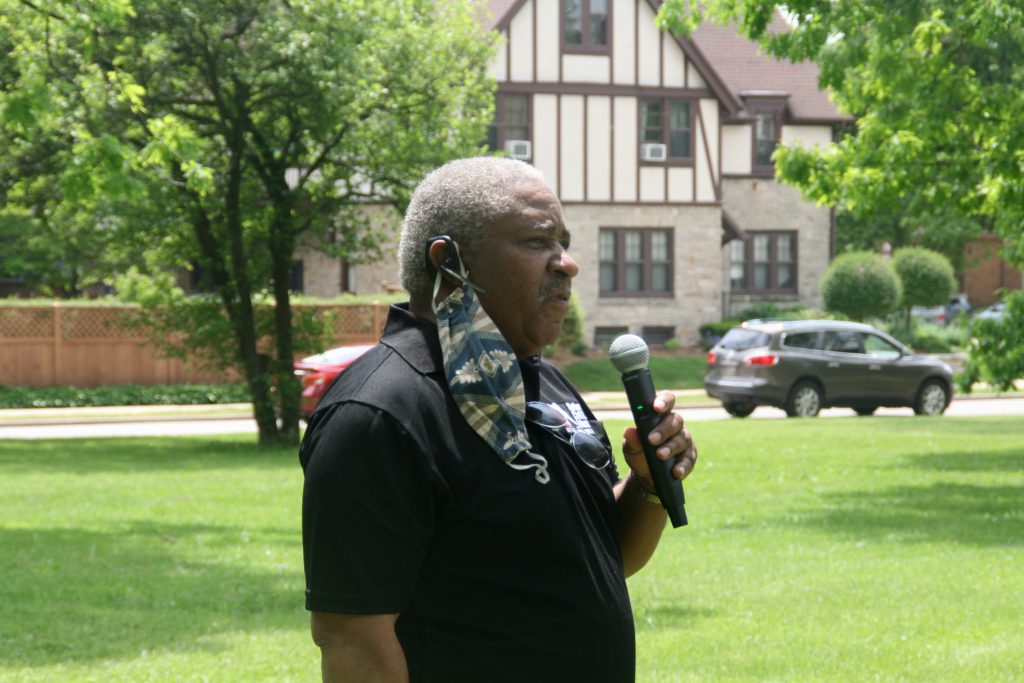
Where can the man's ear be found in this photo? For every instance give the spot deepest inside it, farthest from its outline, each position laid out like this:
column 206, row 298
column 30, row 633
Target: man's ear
column 440, row 253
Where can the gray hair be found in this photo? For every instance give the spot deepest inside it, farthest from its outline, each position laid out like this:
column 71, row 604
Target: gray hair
column 461, row 199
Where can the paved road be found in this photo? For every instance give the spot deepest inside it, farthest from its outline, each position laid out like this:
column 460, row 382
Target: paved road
column 235, row 425
column 962, row 408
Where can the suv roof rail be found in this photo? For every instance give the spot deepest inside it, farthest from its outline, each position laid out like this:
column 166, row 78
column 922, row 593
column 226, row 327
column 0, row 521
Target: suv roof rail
column 755, row 321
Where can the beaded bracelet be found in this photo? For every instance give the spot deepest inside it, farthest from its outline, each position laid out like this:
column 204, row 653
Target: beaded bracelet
column 649, row 496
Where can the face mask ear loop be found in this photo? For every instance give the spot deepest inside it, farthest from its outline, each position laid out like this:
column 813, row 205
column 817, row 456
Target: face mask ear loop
column 463, row 274
column 433, row 297
column 541, row 466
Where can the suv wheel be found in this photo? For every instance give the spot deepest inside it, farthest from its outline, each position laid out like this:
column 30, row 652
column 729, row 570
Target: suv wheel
column 739, row 409
column 932, row 398
column 804, row 400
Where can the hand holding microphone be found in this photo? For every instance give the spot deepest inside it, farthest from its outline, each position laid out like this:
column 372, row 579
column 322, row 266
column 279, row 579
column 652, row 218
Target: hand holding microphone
column 629, row 355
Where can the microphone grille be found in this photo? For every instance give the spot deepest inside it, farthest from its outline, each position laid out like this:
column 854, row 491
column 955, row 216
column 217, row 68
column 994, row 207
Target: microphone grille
column 629, row 352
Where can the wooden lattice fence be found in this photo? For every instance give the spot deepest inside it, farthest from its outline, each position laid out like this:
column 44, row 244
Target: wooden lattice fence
column 89, row 346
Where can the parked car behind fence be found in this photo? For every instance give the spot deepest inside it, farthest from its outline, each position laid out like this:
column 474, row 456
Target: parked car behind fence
column 944, row 314
column 316, row 373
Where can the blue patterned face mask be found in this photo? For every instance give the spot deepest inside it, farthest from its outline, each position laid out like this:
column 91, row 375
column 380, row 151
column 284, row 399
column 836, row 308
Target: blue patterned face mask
column 483, row 375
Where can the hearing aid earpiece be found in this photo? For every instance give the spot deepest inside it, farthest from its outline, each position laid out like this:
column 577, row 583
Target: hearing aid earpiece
column 452, row 263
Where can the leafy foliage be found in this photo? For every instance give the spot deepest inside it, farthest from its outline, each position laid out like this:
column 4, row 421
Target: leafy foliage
column 997, row 346
column 860, row 285
column 937, row 91
column 711, row 333
column 927, row 337
column 122, row 395
column 220, row 137
column 926, row 276
column 947, row 234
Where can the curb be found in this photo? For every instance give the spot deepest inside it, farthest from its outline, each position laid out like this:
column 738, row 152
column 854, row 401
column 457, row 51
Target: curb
column 141, row 412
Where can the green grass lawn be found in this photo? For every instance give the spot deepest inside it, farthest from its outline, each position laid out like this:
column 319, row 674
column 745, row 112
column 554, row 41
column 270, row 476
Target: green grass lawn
column 674, row 371
column 841, row 549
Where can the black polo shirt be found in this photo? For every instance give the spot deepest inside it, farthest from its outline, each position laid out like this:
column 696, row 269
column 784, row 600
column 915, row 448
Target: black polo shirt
column 407, row 510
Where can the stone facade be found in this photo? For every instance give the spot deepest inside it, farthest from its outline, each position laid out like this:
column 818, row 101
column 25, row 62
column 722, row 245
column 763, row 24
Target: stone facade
column 764, row 204
column 697, row 287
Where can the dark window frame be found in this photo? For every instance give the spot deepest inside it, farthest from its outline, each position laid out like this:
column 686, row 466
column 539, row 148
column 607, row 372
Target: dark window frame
column 620, row 263
column 665, row 137
column 497, row 131
column 775, row 109
column 604, row 335
column 657, row 335
column 773, row 261
column 587, row 47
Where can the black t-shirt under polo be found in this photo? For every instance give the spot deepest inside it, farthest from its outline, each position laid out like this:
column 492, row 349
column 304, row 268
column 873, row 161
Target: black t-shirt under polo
column 407, row 510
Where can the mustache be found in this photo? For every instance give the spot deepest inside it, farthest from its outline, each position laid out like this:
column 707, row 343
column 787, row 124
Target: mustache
column 555, row 288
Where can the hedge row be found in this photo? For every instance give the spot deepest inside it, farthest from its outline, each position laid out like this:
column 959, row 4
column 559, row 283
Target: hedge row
column 122, row 395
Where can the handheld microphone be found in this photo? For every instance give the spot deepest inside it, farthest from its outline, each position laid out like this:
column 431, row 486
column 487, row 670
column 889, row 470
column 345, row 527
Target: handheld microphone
column 629, row 355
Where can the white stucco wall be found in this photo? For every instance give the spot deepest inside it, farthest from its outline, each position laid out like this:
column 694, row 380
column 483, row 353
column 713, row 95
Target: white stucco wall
column 737, row 149
column 808, row 136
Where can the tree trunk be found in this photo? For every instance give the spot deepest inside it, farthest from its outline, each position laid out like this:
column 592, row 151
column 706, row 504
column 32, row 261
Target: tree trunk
column 255, row 364
column 282, row 248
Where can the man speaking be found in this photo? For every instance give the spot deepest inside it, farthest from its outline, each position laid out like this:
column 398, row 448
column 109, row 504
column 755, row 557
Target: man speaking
column 463, row 518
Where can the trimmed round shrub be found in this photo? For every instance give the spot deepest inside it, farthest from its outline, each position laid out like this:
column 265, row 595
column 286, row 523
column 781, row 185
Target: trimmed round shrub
column 861, row 284
column 926, row 276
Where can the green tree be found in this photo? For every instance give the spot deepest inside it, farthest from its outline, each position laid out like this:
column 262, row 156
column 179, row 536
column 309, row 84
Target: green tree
column 926, row 278
column 946, row 234
column 234, row 130
column 997, row 347
column 937, row 89
column 861, row 285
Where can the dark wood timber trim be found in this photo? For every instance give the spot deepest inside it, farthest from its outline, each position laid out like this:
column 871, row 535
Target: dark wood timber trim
column 604, row 89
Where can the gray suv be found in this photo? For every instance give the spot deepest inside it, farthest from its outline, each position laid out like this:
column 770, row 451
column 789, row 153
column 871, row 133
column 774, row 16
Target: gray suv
column 803, row 366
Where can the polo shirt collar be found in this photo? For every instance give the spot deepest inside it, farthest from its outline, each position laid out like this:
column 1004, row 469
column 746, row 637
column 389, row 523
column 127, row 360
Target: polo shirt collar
column 413, row 338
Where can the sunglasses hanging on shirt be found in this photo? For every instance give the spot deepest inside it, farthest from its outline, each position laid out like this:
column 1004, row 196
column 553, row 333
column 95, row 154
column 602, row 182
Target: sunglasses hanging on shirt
column 587, row 446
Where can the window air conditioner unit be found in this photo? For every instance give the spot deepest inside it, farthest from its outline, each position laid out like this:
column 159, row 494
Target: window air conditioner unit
column 518, row 149
column 653, row 151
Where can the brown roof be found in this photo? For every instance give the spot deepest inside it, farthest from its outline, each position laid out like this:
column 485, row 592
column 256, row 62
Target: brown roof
column 746, row 70
column 737, row 65
column 499, row 10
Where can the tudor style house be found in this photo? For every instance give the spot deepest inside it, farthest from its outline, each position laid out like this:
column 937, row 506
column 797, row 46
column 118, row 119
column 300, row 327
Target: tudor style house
column 660, row 150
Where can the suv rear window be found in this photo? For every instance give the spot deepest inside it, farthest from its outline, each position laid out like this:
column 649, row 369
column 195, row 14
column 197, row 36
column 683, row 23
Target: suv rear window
column 739, row 339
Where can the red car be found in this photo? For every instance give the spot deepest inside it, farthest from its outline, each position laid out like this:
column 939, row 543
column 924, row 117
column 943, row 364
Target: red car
column 315, row 373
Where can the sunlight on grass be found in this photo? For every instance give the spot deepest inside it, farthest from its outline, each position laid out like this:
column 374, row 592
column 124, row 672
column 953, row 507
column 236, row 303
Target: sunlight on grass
column 829, row 550
column 842, row 550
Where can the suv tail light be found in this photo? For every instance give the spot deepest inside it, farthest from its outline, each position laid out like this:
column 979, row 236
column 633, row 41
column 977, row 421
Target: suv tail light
column 763, row 359
column 712, row 358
